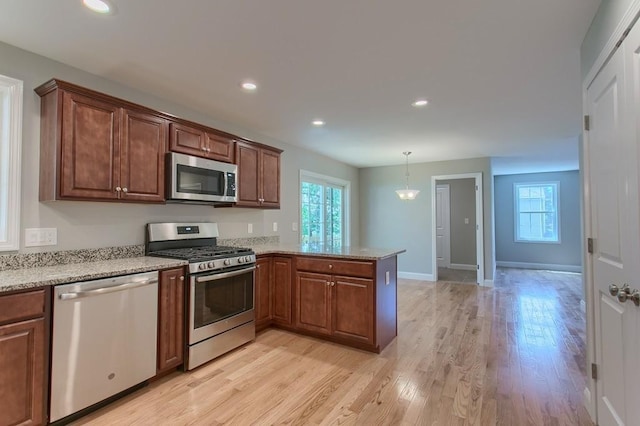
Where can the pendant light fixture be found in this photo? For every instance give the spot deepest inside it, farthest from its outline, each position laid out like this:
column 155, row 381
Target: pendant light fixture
column 406, row 193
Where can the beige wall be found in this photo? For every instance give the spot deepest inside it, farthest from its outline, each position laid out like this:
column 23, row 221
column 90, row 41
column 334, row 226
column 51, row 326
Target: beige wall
column 95, row 224
column 386, row 221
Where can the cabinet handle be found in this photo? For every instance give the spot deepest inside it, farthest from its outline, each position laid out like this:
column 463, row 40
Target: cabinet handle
column 125, row 190
column 118, row 189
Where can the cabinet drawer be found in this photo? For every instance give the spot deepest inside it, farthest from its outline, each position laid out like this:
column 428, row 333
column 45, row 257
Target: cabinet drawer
column 333, row 266
column 15, row 307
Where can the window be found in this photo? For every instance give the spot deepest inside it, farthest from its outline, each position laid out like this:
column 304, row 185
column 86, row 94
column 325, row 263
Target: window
column 10, row 139
column 537, row 214
column 323, row 209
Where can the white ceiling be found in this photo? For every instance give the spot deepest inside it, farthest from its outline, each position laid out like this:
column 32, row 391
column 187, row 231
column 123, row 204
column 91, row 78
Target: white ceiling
column 502, row 76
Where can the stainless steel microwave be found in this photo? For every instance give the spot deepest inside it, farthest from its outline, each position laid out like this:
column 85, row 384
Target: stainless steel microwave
column 195, row 179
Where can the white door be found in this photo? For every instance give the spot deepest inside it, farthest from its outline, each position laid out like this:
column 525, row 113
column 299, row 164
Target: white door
column 443, row 225
column 612, row 163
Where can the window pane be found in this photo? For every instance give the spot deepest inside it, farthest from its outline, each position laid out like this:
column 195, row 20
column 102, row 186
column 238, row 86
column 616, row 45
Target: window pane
column 537, row 212
column 321, row 213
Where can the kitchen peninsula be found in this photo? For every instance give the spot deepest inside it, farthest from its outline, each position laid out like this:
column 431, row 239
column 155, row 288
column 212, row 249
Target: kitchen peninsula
column 339, row 293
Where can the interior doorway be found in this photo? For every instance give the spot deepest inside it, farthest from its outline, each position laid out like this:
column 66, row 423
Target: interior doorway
column 457, row 219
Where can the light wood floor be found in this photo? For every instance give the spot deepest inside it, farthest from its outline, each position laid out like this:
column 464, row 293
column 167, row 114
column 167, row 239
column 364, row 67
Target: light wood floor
column 511, row 355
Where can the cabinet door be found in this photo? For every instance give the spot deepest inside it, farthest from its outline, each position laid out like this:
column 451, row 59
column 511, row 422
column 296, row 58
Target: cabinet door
column 352, row 301
column 313, row 307
column 170, row 319
column 281, row 285
column 89, row 148
column 22, row 373
column 247, row 157
column 220, row 148
column 270, row 178
column 144, row 142
column 263, row 284
column 187, row 140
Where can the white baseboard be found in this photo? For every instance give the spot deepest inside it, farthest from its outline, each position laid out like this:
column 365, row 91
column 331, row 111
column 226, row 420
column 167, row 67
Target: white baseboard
column 588, row 404
column 487, row 283
column 546, row 266
column 415, row 276
column 463, row 267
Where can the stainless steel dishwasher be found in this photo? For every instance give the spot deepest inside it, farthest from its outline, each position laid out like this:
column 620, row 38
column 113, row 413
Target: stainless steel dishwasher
column 104, row 339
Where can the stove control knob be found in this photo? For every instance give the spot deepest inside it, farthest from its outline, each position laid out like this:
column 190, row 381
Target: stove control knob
column 202, row 266
column 227, row 262
column 247, row 259
column 211, row 264
column 240, row 260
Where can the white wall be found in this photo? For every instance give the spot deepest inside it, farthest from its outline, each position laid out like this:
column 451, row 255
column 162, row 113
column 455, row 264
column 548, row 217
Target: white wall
column 386, row 221
column 84, row 224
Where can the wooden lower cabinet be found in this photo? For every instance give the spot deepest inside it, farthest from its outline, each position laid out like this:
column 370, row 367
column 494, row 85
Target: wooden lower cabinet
column 22, row 363
column 171, row 319
column 281, row 290
column 263, row 292
column 273, row 291
column 335, row 305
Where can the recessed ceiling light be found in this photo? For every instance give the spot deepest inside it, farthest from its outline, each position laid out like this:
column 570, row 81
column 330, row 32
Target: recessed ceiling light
column 420, row 103
column 249, row 85
column 318, row 123
column 99, row 6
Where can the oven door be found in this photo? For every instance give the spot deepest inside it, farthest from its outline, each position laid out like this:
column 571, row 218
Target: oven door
column 220, row 301
column 199, row 179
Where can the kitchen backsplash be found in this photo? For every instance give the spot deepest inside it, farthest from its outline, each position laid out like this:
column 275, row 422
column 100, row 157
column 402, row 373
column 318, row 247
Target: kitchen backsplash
column 52, row 258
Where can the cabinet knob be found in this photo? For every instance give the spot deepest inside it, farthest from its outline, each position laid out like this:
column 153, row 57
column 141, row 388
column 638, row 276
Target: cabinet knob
column 118, row 189
column 330, row 266
column 125, row 190
column 182, row 278
column 328, row 283
column 333, row 284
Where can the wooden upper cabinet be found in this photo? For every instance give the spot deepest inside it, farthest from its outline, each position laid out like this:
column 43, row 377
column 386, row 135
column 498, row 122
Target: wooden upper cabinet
column 95, row 147
column 89, row 148
column 201, row 142
column 187, row 140
column 221, row 148
column 142, row 156
column 258, row 175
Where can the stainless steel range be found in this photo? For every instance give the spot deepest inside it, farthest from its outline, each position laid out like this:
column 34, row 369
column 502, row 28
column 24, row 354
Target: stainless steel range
column 221, row 287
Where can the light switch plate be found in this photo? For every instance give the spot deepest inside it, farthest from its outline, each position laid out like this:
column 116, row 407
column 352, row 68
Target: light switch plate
column 275, row 226
column 294, row 226
column 250, row 228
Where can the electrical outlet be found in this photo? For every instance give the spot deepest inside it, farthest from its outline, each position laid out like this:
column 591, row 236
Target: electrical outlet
column 250, row 228
column 466, row 220
column 275, row 226
column 294, row 226
column 36, row 237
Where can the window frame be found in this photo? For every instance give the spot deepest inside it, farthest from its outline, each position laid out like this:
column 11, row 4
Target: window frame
column 312, row 177
column 11, row 92
column 516, row 215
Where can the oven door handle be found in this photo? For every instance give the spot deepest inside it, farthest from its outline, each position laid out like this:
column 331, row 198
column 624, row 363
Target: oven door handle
column 223, row 275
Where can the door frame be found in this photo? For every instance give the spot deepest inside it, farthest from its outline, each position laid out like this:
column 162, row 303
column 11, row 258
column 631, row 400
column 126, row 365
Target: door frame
column 479, row 223
column 447, row 259
column 589, row 394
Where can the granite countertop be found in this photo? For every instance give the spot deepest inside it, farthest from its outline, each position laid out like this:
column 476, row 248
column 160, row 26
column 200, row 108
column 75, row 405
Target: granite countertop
column 347, row 252
column 27, row 278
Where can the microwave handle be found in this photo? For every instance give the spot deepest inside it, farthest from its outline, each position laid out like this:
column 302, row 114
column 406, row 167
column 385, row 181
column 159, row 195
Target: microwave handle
column 226, row 184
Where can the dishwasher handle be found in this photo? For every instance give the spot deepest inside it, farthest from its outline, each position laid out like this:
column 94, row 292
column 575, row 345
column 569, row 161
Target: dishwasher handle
column 106, row 290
